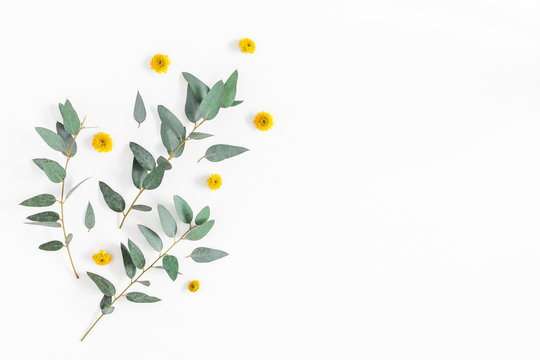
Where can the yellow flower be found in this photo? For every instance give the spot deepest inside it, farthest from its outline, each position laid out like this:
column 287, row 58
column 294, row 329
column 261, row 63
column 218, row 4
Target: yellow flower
column 101, row 258
column 194, row 285
column 160, row 63
column 263, row 121
column 247, row 46
column 102, row 142
column 214, row 181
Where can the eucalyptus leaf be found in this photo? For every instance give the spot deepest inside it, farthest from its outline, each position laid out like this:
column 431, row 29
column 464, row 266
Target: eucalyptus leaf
column 52, row 246
column 89, row 217
column 192, row 106
column 53, row 224
column 202, row 216
column 162, row 268
column 237, row 102
column 167, row 221
column 42, row 200
column 129, row 266
column 153, row 239
column 68, row 140
column 172, row 122
column 200, row 231
column 138, row 173
column 209, row 107
column 52, row 139
column 185, row 214
column 229, row 90
column 143, row 157
column 44, row 216
column 75, row 188
column 139, row 112
column 221, row 152
column 72, row 124
column 139, row 297
column 108, row 310
column 154, row 178
column 136, row 255
column 113, row 199
column 170, row 264
column 69, row 237
column 105, row 302
column 52, row 169
column 171, row 141
column 141, row 207
column 104, row 285
column 199, row 136
column 164, row 162
column 144, row 282
column 198, row 88
column 205, row 255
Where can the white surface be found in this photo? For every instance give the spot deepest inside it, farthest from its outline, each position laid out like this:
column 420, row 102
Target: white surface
column 391, row 213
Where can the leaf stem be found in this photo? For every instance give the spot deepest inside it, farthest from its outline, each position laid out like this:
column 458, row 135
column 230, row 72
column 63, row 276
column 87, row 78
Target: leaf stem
column 169, row 159
column 133, row 281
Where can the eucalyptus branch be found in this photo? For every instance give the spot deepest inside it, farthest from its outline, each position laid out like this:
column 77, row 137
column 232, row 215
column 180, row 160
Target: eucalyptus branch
column 133, row 257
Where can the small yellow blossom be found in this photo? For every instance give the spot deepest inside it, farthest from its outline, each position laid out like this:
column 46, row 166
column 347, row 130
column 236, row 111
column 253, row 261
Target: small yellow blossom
column 263, row 121
column 102, row 142
column 194, row 285
column 247, row 46
column 214, row 181
column 160, row 63
column 101, row 258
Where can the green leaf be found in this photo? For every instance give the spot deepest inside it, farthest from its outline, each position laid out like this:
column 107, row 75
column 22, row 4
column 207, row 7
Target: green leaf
column 105, row 302
column 185, row 214
column 52, row 169
column 202, row 216
column 144, row 282
column 172, row 122
column 199, row 136
column 139, row 297
column 162, row 268
column 52, row 139
column 129, row 266
column 229, row 90
column 113, row 199
column 44, row 216
column 167, row 221
column 139, row 112
column 143, row 157
column 209, row 107
column 75, row 188
column 141, row 207
column 200, row 231
column 198, row 88
column 192, row 106
column 205, row 255
column 164, row 162
column 170, row 264
column 108, row 310
column 53, row 224
column 221, row 152
column 51, row 246
column 104, row 285
column 42, row 200
column 68, row 140
column 154, row 178
column 69, row 237
column 72, row 124
column 136, row 255
column 237, row 102
column 153, row 239
column 89, row 217
column 171, row 141
column 138, row 173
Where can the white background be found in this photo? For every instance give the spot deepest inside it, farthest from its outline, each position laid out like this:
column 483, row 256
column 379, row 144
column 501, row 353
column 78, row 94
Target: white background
column 391, row 212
